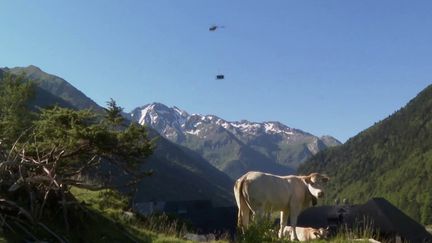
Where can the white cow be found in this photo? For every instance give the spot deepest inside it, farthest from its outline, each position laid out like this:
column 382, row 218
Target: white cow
column 305, row 233
column 257, row 193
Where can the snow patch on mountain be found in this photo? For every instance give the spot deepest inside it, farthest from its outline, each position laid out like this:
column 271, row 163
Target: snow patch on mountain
column 156, row 113
column 174, row 123
column 147, row 110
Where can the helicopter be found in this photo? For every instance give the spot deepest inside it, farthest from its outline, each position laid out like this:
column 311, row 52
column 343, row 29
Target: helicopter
column 215, row 27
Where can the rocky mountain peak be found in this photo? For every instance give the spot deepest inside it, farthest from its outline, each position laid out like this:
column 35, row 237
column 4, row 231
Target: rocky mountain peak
column 234, row 146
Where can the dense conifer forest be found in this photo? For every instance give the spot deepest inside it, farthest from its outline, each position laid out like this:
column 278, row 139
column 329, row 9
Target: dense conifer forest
column 391, row 159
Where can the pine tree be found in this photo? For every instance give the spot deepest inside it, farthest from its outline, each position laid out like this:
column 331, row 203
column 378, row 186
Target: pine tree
column 65, row 147
column 113, row 112
column 15, row 116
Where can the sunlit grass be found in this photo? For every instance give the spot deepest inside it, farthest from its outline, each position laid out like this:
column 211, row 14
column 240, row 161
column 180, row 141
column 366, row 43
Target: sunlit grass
column 429, row 228
column 156, row 228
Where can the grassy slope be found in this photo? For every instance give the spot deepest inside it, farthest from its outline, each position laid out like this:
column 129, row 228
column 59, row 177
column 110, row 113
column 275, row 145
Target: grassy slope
column 99, row 217
column 153, row 229
column 87, row 224
column 110, row 210
column 105, row 222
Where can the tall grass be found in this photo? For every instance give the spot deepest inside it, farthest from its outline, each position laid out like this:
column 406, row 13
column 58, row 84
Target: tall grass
column 363, row 230
column 264, row 231
column 267, row 231
column 163, row 224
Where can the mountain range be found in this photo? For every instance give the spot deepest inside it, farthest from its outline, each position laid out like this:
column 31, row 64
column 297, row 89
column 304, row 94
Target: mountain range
column 234, row 147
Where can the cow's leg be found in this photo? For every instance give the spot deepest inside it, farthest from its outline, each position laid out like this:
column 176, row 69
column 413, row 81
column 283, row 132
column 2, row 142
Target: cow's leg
column 267, row 215
column 295, row 211
column 283, row 222
column 259, row 215
column 245, row 218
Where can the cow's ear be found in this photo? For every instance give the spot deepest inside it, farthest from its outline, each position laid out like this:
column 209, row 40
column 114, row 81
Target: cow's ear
column 325, row 179
column 308, row 179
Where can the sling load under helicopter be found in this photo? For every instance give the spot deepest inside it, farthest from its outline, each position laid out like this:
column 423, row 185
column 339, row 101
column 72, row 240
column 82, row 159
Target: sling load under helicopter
column 212, row 29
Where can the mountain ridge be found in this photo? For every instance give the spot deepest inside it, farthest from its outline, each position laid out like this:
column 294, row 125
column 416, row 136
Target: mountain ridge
column 55, row 85
column 278, row 147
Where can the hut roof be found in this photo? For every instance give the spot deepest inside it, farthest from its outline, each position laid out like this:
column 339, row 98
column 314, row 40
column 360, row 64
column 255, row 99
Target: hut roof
column 391, row 220
column 377, row 213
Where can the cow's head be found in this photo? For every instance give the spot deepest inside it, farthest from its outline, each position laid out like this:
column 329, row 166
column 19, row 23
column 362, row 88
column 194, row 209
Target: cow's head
column 322, row 233
column 315, row 183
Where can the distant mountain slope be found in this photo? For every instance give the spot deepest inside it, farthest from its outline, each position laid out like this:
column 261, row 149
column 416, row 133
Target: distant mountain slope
column 234, row 147
column 180, row 174
column 183, row 175
column 56, row 86
column 392, row 159
column 43, row 98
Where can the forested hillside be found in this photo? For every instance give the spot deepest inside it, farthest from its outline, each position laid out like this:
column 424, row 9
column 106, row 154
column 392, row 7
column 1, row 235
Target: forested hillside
column 392, row 159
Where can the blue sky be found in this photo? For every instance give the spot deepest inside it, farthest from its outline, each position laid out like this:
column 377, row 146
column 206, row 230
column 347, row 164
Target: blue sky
column 326, row 66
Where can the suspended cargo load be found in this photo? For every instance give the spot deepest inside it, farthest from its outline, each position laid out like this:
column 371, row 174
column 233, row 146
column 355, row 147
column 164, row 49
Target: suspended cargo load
column 220, row 76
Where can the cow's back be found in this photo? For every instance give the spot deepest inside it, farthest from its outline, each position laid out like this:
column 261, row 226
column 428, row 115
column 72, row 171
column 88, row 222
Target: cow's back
column 268, row 191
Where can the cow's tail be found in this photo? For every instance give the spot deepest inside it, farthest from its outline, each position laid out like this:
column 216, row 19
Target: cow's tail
column 243, row 207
